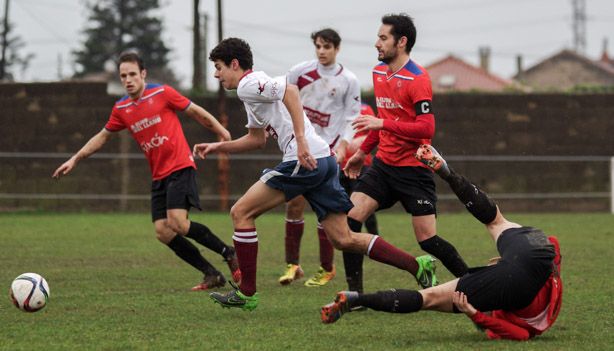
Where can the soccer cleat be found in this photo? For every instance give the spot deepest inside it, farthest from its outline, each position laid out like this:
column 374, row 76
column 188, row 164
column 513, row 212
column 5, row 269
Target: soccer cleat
column 321, row 278
column 233, row 264
column 293, row 272
column 235, row 298
column 210, row 282
column 432, row 159
column 333, row 311
column 426, row 271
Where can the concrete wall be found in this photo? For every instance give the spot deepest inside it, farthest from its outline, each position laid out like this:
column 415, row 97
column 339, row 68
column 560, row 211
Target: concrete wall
column 61, row 117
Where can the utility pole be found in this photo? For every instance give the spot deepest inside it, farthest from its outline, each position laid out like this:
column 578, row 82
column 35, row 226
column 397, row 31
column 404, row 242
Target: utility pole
column 223, row 163
column 579, row 26
column 205, row 50
column 5, row 43
column 197, row 73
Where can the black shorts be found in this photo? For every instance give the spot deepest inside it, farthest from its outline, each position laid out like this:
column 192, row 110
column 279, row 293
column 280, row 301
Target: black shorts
column 178, row 190
column 526, row 263
column 414, row 187
column 349, row 184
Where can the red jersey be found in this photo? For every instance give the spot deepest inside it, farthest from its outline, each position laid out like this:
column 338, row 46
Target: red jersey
column 532, row 320
column 364, row 110
column 154, row 125
column 404, row 103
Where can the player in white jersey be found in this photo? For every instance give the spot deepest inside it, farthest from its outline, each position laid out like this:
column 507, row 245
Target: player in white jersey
column 307, row 169
column 330, row 95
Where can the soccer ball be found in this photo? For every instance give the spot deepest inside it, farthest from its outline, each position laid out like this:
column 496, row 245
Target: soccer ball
column 29, row 292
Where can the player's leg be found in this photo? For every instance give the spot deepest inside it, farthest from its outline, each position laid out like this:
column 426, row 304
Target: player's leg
column 415, row 189
column 181, row 195
column 438, row 298
column 257, row 200
column 364, row 207
column 477, row 202
column 182, row 247
column 189, row 253
column 295, row 225
column 425, row 229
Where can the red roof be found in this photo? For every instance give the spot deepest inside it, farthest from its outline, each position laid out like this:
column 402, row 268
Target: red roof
column 454, row 74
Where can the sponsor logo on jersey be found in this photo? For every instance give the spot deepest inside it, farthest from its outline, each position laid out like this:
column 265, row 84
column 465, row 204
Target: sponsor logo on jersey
column 261, row 87
column 271, row 132
column 317, row 117
column 145, row 123
column 386, row 102
column 156, row 141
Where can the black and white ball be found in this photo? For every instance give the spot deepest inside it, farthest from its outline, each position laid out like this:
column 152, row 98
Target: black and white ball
column 29, row 292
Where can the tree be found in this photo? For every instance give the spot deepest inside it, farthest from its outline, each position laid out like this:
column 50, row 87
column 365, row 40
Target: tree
column 116, row 26
column 12, row 59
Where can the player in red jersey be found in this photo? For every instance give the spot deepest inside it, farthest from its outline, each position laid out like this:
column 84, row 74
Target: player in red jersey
column 149, row 112
column 518, row 297
column 405, row 120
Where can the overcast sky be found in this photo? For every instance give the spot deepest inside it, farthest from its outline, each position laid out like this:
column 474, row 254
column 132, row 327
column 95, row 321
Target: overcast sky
column 278, row 31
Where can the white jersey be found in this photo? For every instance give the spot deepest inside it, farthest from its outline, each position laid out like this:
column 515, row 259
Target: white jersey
column 262, row 97
column 330, row 97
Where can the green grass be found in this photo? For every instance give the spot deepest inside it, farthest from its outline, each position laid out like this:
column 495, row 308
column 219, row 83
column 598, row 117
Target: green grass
column 114, row 287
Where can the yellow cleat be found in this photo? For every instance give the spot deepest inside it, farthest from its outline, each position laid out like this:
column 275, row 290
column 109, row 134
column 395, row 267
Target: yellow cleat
column 321, row 278
column 293, row 272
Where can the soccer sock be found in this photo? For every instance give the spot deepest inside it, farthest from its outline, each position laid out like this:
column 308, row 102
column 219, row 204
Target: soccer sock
column 327, row 251
column 204, row 236
column 294, row 233
column 477, row 202
column 190, row 254
column 382, row 251
column 446, row 253
column 371, row 225
column 246, row 246
column 394, row 301
column 352, row 262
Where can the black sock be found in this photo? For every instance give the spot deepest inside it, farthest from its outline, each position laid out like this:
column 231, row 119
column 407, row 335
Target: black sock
column 477, row 202
column 394, row 301
column 371, row 225
column 446, row 253
column 189, row 253
column 204, row 236
column 352, row 262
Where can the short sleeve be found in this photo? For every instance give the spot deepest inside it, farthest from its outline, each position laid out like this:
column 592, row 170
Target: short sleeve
column 263, row 89
column 115, row 123
column 175, row 100
column 252, row 121
column 295, row 72
column 420, row 90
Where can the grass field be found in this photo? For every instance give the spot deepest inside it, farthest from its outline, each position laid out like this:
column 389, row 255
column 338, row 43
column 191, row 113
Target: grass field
column 114, row 287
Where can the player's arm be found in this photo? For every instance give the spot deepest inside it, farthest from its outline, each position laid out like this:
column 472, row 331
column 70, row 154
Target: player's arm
column 496, row 327
column 93, row 145
column 293, row 104
column 206, row 119
column 254, row 139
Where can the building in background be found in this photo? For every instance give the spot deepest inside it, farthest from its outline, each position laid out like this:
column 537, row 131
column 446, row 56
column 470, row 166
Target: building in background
column 451, row 74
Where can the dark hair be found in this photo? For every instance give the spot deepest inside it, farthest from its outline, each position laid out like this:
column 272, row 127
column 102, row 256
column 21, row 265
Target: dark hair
column 402, row 26
column 233, row 48
column 131, row 56
column 328, row 35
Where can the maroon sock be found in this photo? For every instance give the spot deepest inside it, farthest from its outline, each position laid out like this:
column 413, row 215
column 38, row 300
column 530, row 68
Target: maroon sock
column 294, row 233
column 246, row 246
column 327, row 251
column 382, row 251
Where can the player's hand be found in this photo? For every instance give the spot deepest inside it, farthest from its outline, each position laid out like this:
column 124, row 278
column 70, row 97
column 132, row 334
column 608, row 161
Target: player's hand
column 366, row 122
column 305, row 158
column 340, row 154
column 64, row 169
column 460, row 301
column 354, row 165
column 203, row 149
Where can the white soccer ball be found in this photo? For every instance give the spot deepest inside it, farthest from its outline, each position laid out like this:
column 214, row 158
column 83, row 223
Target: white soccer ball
column 29, row 292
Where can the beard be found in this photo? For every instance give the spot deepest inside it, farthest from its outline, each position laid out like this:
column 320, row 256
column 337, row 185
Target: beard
column 387, row 57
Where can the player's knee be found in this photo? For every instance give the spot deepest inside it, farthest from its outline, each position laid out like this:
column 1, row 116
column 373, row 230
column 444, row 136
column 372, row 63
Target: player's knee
column 177, row 225
column 238, row 212
column 163, row 233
